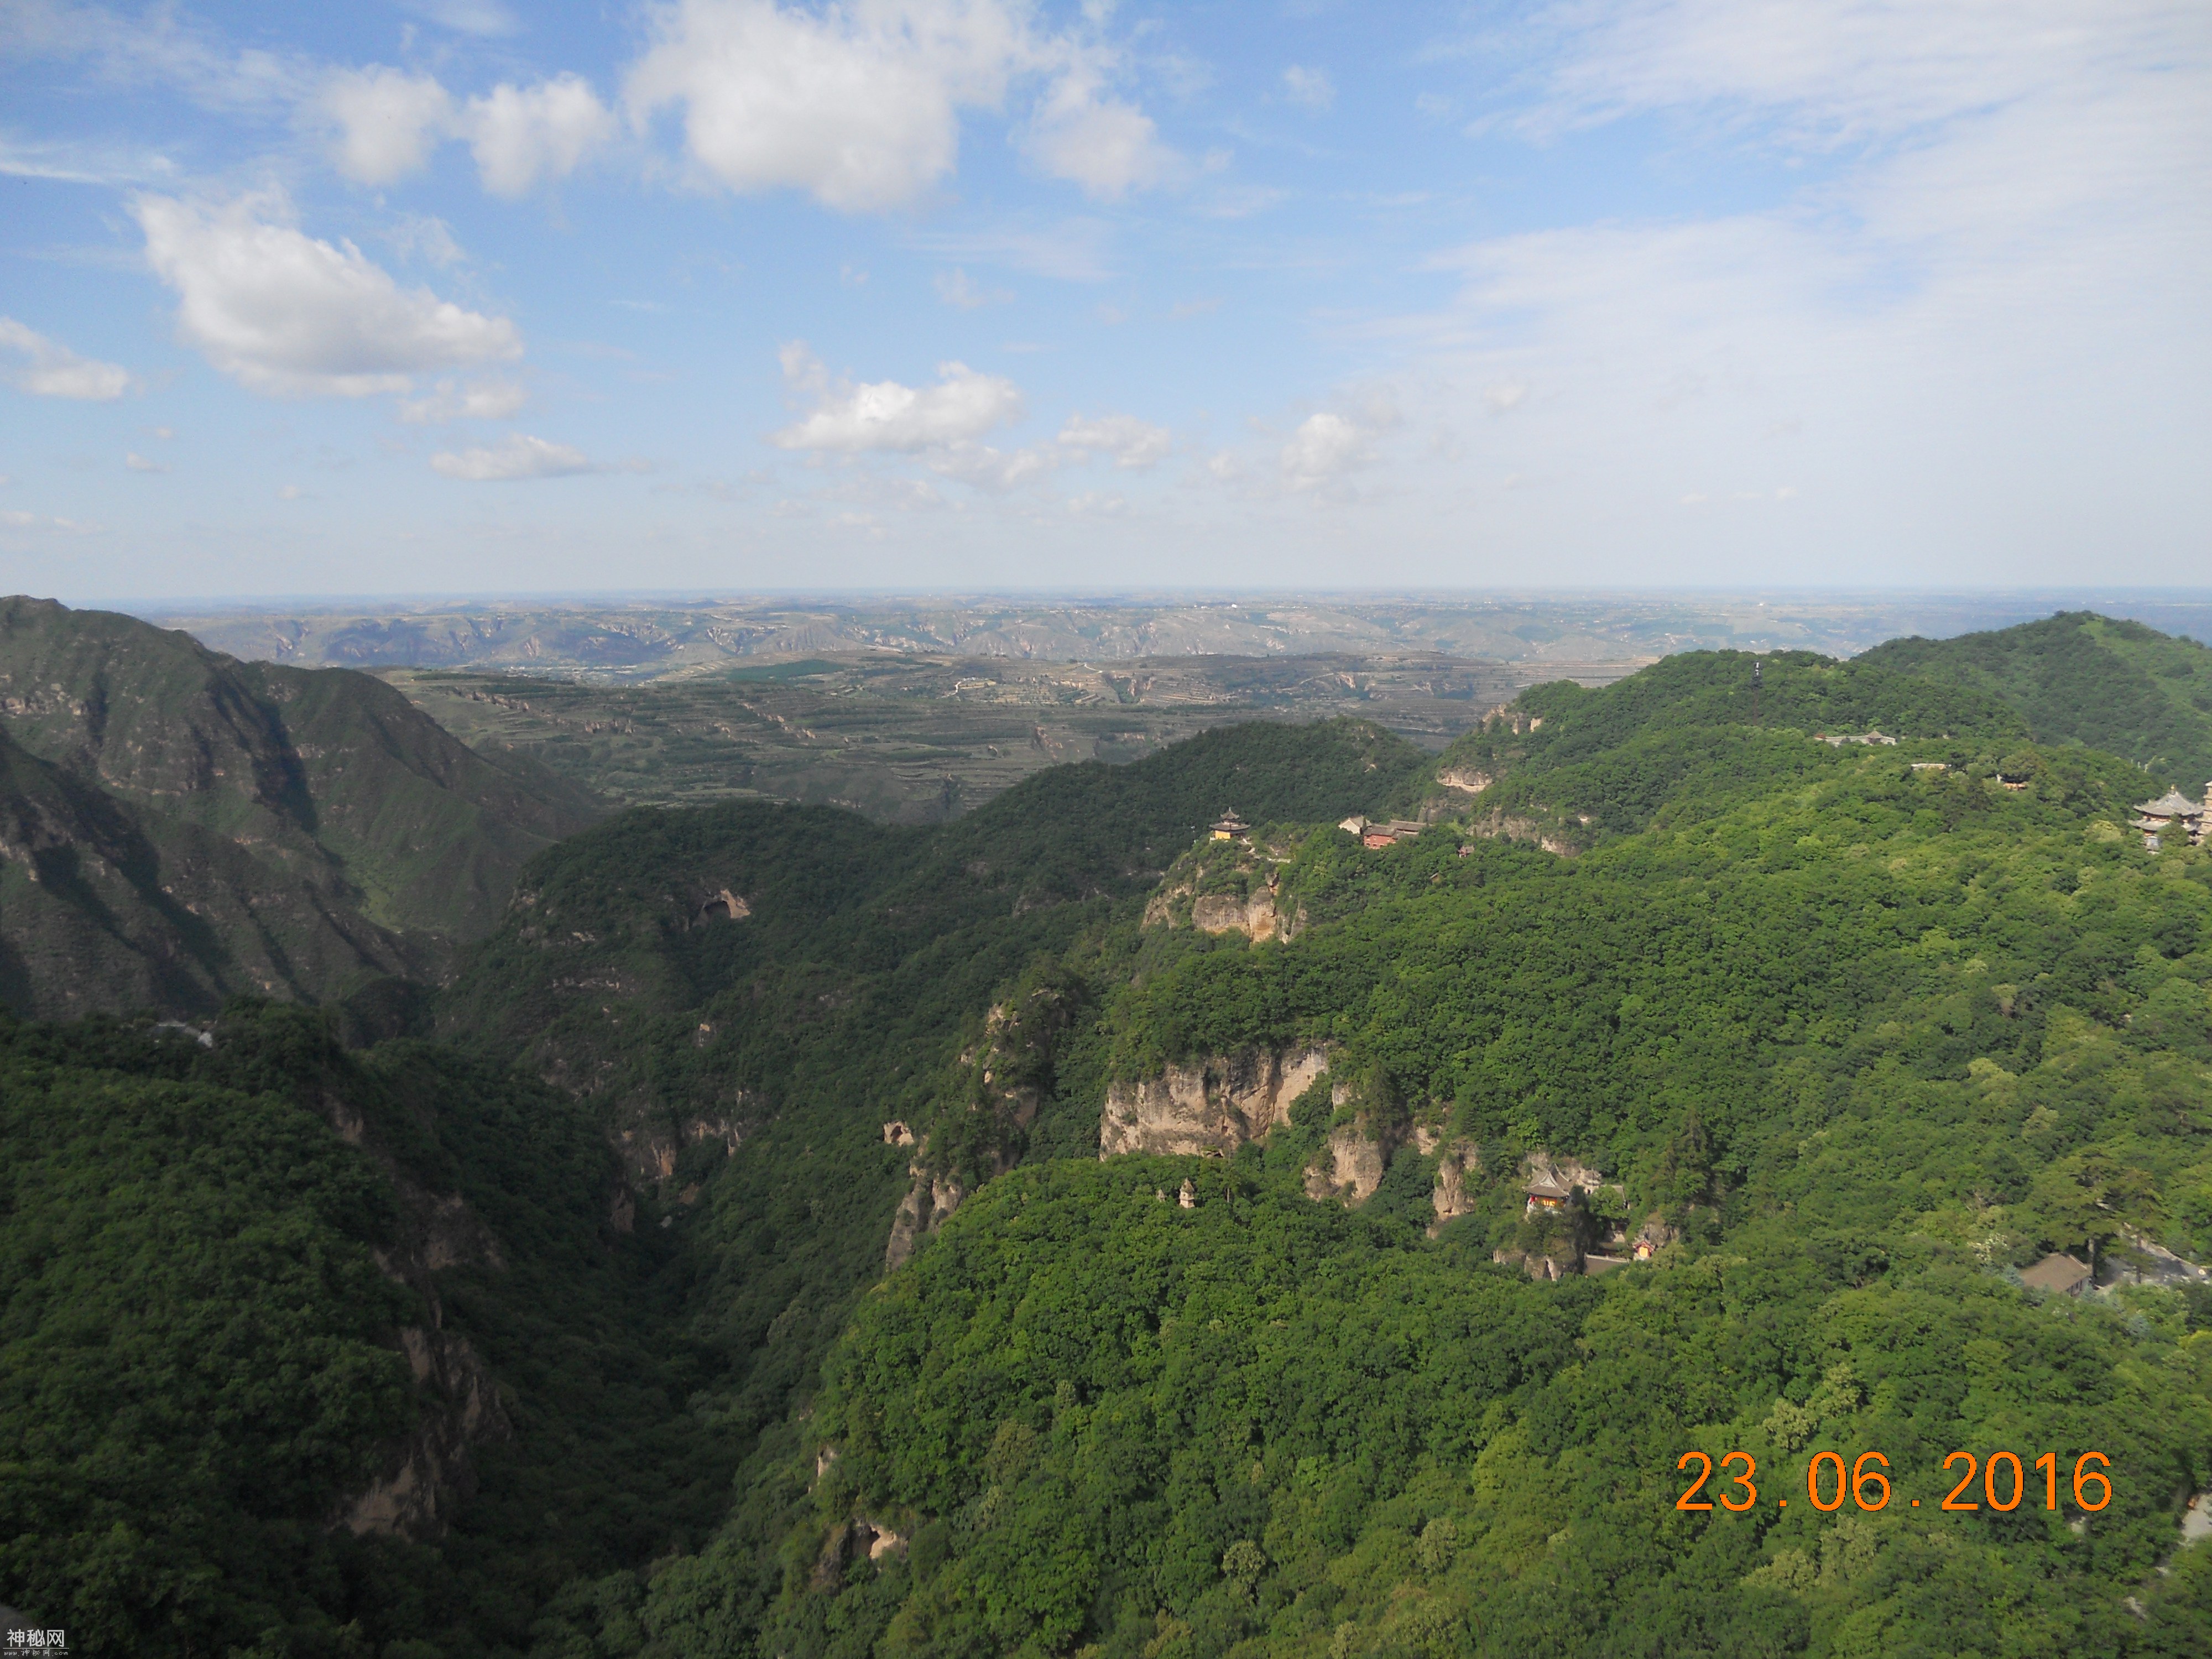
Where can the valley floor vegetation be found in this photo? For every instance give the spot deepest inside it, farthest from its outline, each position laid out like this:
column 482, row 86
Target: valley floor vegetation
column 1855, row 1032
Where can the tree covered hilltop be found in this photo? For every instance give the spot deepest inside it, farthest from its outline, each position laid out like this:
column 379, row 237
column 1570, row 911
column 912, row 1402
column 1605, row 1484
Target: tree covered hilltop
column 1067, row 1230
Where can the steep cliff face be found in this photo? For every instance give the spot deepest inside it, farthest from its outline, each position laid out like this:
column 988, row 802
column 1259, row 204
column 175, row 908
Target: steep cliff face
column 1457, row 1162
column 1351, row 1165
column 1214, row 1106
column 428, row 1471
column 1228, row 887
column 927, row 1205
column 1006, row 1077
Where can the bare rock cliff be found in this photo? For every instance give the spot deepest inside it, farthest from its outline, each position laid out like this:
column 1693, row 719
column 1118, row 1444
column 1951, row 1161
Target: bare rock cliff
column 1214, row 1106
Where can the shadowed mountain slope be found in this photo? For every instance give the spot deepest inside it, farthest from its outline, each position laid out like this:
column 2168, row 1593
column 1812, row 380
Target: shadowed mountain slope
column 198, row 825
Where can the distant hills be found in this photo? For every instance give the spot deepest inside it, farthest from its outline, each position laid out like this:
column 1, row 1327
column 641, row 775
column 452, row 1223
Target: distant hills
column 650, row 637
column 177, row 826
column 2081, row 678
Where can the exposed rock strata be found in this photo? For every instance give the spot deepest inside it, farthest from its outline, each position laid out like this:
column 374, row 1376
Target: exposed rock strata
column 1456, row 1162
column 1214, row 1106
column 927, row 1205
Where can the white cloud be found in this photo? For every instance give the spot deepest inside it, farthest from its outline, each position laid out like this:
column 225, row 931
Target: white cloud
column 1503, row 396
column 14, row 519
column 1108, row 147
column 955, row 289
column 992, row 471
column 1976, row 336
column 1324, row 447
column 1852, row 69
column 425, row 236
column 49, row 369
column 884, row 415
column 1132, row 443
column 858, row 104
column 494, row 399
column 486, row 19
column 520, row 136
column 138, row 463
column 387, row 121
column 1310, row 87
column 81, row 161
column 283, row 312
column 516, row 457
column 158, row 47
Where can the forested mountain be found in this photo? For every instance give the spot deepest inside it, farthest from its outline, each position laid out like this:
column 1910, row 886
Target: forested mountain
column 1219, row 1316
column 2080, row 678
column 177, row 826
column 271, row 1311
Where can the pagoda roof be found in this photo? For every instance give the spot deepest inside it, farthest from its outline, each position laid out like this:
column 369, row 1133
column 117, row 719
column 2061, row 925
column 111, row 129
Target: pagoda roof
column 2173, row 805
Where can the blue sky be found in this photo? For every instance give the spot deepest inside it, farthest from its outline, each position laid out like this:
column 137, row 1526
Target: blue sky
column 469, row 296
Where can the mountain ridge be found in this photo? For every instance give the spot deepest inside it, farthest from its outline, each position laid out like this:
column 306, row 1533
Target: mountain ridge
column 288, row 832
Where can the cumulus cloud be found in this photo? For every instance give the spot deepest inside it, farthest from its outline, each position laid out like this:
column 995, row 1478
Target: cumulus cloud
column 1132, row 443
column 1323, row 448
column 386, row 122
column 515, row 459
column 858, row 104
column 883, row 415
column 49, row 369
column 861, row 103
column 494, row 399
column 283, row 312
column 522, row 135
column 1310, row 87
column 138, row 463
column 1108, row 147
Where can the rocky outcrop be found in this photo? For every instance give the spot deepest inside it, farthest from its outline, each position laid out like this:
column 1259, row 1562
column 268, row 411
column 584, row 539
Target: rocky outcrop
column 1349, row 1167
column 927, row 1205
column 426, row 1472
column 1214, row 1106
column 1496, row 825
column 1009, row 1077
column 1551, row 1265
column 1468, row 780
column 1226, row 889
column 649, row 1150
column 1231, row 912
column 723, row 904
column 1456, row 1161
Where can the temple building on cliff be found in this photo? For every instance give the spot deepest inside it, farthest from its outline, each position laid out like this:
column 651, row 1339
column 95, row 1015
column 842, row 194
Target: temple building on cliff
column 2190, row 822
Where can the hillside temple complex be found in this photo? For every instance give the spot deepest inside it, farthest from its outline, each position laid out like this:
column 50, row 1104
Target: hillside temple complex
column 2174, row 813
